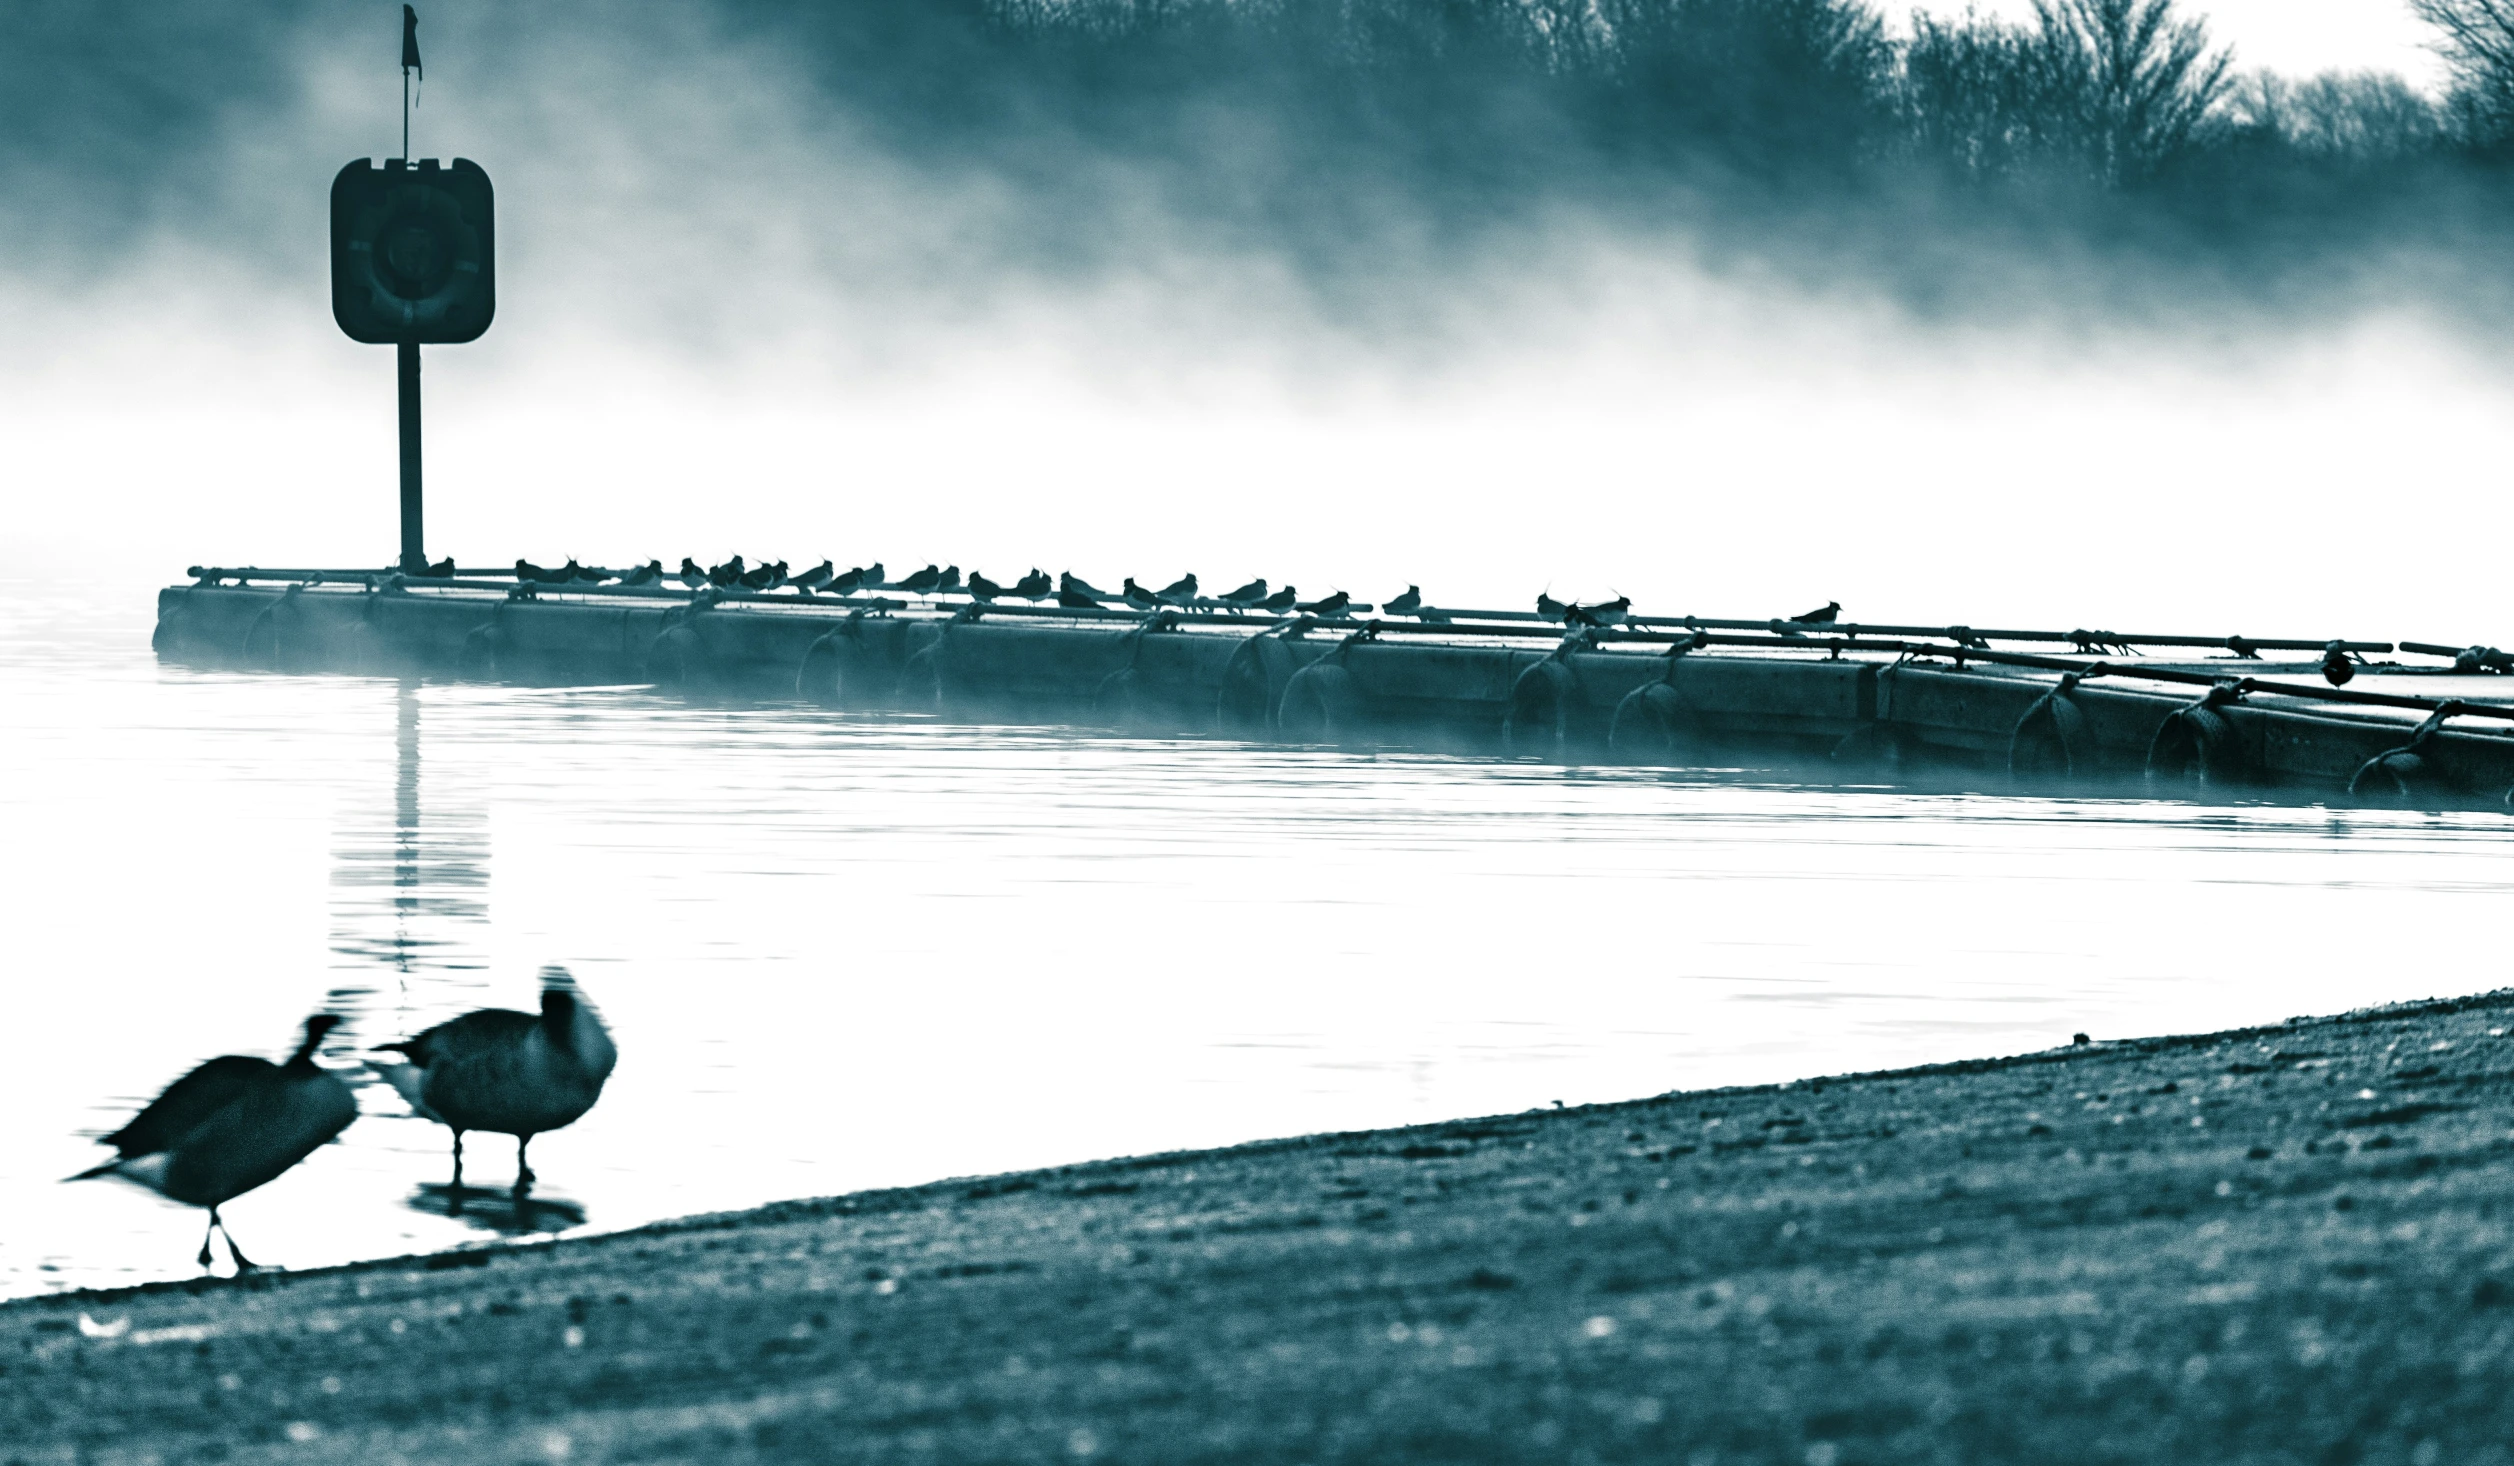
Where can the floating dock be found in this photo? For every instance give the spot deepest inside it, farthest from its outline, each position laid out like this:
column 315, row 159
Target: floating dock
column 2160, row 713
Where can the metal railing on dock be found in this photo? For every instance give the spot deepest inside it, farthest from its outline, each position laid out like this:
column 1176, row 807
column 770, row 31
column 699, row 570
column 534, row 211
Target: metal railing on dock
column 1960, row 643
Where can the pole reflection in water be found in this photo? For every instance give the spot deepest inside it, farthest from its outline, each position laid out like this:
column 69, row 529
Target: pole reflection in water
column 410, row 912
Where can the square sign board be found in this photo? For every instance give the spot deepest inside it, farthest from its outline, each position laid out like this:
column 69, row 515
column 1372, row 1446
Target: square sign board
column 413, row 251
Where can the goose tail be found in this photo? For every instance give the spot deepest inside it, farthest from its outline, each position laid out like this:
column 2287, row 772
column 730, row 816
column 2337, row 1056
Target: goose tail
column 406, row 1080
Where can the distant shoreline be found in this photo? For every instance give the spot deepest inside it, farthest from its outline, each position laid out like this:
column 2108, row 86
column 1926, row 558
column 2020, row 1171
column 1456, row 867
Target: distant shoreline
column 2282, row 1243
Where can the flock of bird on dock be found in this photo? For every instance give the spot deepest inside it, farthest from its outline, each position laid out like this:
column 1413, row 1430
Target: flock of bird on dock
column 1068, row 590
column 235, row 1123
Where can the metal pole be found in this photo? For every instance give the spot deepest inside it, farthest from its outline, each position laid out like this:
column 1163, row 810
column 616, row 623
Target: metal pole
column 414, row 551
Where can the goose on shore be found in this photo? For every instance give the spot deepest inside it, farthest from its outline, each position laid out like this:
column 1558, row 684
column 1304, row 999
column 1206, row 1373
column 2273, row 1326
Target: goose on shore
column 508, row 1073
column 230, row 1125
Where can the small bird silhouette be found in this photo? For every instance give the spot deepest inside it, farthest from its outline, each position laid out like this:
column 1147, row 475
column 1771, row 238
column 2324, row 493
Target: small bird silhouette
column 1407, row 604
column 1034, row 586
column 1247, row 595
column 875, row 576
column 589, row 574
column 923, row 582
column 950, row 581
column 508, row 1073
column 1549, row 608
column 1333, row 605
column 1178, row 592
column 1074, row 600
column 1607, row 613
column 764, row 577
column 729, row 573
column 441, row 570
column 646, row 574
column 689, row 574
column 230, row 1125
column 816, row 577
column 1076, row 585
column 1280, row 602
column 527, row 573
column 1139, row 598
column 1823, row 615
column 847, row 582
column 983, row 589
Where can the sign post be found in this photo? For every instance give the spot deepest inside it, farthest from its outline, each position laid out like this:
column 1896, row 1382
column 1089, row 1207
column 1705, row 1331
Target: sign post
column 414, row 261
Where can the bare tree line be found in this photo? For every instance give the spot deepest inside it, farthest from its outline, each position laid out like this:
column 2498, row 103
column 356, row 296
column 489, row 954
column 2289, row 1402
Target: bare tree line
column 2117, row 92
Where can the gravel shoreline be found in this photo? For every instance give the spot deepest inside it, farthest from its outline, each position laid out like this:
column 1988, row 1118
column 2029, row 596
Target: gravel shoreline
column 2284, row 1244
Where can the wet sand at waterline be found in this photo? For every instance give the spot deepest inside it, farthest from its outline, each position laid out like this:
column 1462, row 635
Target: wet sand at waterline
column 2281, row 1244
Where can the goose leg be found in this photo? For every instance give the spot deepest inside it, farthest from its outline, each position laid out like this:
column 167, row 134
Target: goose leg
column 244, row 1264
column 523, row 1173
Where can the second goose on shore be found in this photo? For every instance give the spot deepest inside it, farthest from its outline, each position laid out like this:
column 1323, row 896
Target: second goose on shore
column 508, row 1073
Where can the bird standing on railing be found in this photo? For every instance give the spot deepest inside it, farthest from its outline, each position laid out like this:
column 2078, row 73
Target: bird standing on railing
column 1245, row 597
column 1549, row 608
column 646, row 574
column 727, row 574
column 230, row 1125
column 1407, row 604
column 1281, row 601
column 950, row 581
column 923, row 582
column 848, row 582
column 1334, row 605
column 1074, row 584
column 1824, row 615
column 1179, row 592
column 527, row 573
column 1605, row 613
column 441, row 570
column 508, row 1073
column 1034, row 586
column 1074, row 600
column 816, row 577
column 591, row 575
column 983, row 589
column 1139, row 598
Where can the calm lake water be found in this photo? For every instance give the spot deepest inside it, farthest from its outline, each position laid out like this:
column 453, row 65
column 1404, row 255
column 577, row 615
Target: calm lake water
column 847, row 951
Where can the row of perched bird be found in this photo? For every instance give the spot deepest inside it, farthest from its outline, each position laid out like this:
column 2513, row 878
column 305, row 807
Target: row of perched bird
column 235, row 1123
column 1068, row 590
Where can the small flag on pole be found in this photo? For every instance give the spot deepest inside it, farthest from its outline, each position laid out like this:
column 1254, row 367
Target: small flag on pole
column 410, row 43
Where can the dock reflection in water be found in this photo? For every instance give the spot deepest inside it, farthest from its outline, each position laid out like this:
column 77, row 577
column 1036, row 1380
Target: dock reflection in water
column 844, row 952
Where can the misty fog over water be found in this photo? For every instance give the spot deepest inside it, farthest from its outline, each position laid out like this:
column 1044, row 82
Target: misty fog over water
column 1338, row 295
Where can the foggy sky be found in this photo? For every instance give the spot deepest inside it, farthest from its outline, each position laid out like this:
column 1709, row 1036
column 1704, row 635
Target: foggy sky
column 765, row 287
